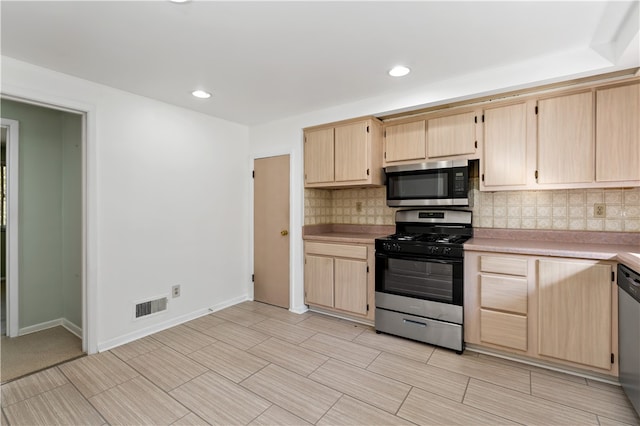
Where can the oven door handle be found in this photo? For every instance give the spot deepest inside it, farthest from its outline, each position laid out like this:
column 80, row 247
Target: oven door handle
column 417, row 258
column 412, row 322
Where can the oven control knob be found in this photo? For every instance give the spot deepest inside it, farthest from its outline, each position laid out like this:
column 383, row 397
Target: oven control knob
column 446, row 250
column 386, row 246
column 433, row 250
column 396, row 247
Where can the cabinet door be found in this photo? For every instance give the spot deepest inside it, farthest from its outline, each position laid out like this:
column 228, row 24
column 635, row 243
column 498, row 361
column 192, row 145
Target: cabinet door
column 351, row 285
column 451, row 135
column 618, row 134
column 405, row 141
column 505, row 143
column 351, row 154
column 318, row 156
column 574, row 311
column 318, row 280
column 565, row 139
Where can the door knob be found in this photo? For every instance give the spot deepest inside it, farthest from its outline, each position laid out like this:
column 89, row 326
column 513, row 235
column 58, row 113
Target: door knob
column 284, row 232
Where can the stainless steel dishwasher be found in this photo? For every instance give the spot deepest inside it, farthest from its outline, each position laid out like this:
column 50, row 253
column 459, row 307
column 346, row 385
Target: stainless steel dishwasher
column 629, row 333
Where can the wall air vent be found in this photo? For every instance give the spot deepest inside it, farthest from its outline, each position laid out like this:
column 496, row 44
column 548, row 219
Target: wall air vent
column 151, row 307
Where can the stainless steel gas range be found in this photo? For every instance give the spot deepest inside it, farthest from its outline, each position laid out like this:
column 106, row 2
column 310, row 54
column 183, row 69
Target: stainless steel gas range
column 419, row 277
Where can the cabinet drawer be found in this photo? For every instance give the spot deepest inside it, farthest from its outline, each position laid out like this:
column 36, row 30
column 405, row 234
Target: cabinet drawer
column 503, row 329
column 504, row 265
column 503, row 293
column 337, row 250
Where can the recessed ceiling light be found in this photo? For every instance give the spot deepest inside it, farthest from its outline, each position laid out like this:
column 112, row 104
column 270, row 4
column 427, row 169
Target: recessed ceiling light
column 399, row 71
column 201, row 94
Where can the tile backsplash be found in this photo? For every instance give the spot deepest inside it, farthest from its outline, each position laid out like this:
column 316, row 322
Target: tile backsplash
column 556, row 209
column 365, row 206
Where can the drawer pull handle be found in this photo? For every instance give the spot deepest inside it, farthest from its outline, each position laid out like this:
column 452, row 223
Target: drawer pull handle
column 421, row 324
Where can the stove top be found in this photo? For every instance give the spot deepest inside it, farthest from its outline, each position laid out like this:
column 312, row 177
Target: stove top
column 430, row 237
column 434, row 233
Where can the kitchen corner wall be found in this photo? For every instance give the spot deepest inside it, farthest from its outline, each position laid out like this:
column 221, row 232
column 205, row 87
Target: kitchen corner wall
column 560, row 209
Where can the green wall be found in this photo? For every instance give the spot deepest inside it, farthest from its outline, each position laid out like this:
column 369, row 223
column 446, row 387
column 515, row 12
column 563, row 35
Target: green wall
column 50, row 213
column 3, row 235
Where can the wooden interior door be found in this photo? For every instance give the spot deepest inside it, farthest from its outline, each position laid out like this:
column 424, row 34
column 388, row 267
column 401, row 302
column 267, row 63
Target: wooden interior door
column 271, row 230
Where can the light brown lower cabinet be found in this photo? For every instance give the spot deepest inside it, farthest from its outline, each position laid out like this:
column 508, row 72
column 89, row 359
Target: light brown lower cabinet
column 339, row 278
column 557, row 310
column 574, row 311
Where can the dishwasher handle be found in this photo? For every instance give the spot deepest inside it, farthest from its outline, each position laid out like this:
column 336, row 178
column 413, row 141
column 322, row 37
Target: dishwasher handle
column 632, row 281
column 629, row 281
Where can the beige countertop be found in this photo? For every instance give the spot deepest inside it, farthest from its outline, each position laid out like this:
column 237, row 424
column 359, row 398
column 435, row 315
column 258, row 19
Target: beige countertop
column 619, row 247
column 622, row 247
column 345, row 233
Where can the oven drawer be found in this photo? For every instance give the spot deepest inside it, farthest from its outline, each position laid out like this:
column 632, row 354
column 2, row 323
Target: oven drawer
column 419, row 307
column 438, row 333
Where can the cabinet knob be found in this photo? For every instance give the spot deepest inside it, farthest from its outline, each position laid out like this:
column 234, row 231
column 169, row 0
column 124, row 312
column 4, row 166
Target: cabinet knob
column 284, row 232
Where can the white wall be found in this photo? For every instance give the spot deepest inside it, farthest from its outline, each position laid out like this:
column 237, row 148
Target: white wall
column 166, row 203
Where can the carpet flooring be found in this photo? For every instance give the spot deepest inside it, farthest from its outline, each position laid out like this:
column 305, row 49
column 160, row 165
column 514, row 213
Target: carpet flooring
column 32, row 352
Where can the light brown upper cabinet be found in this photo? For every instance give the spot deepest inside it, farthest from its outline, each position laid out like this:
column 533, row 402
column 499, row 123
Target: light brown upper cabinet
column 318, row 156
column 451, row 135
column 618, row 133
column 565, row 139
column 344, row 154
column 405, row 141
column 505, row 146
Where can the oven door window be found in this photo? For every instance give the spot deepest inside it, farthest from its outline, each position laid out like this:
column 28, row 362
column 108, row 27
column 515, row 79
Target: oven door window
column 436, row 280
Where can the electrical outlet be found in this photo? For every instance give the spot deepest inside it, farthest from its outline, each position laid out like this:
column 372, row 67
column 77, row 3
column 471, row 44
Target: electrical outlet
column 175, row 291
column 599, row 210
column 359, row 206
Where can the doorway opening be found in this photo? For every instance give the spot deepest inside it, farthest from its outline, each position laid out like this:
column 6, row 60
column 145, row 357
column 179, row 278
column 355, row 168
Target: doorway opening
column 43, row 248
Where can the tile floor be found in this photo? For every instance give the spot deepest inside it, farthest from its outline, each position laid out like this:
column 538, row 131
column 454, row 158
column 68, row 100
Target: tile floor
column 261, row 365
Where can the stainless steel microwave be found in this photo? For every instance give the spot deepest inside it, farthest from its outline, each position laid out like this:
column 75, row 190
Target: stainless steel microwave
column 440, row 183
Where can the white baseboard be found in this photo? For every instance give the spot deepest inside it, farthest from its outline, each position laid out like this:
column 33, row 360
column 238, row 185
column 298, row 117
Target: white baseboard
column 39, row 327
column 147, row 331
column 295, row 309
column 341, row 316
column 299, row 309
column 73, row 328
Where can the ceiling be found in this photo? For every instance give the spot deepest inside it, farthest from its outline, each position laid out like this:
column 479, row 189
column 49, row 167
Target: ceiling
column 265, row 61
